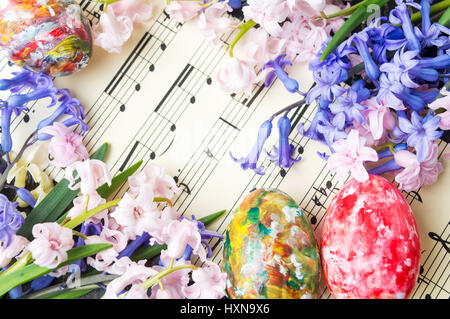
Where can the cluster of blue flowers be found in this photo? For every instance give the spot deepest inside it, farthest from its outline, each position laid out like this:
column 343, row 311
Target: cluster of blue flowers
column 392, row 61
column 26, row 86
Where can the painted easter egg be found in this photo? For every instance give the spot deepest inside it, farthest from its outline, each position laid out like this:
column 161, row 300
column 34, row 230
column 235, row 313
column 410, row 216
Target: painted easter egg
column 370, row 244
column 270, row 250
column 48, row 36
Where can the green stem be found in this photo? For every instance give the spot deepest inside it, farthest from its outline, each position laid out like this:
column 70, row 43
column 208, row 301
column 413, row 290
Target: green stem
column 154, row 279
column 389, row 145
column 437, row 7
column 244, row 29
column 162, row 200
column 81, row 218
column 344, row 12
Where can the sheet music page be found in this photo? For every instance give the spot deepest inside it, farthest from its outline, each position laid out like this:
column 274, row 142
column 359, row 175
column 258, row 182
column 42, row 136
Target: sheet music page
column 159, row 101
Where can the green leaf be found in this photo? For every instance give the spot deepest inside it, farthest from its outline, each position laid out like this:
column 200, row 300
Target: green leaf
column 147, row 252
column 445, row 18
column 355, row 20
column 152, row 251
column 73, row 294
column 100, row 154
column 33, row 271
column 211, row 218
column 105, row 191
column 86, row 283
column 55, row 203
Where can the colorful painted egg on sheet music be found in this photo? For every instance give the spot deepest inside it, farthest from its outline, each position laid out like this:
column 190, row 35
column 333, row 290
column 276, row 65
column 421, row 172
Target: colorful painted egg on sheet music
column 370, row 244
column 270, row 250
column 49, row 36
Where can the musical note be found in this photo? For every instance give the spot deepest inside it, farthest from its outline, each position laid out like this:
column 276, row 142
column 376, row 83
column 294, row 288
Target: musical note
column 438, row 238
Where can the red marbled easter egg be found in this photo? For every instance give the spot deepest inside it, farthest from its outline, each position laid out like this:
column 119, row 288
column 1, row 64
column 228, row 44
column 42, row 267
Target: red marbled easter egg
column 370, row 244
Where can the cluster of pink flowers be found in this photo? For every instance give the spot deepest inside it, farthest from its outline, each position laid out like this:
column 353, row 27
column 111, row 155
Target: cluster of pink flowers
column 116, row 23
column 299, row 37
column 144, row 211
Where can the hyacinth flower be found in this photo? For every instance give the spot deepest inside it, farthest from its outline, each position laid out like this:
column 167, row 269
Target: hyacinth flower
column 235, row 4
column 6, row 115
column 390, row 165
column 327, row 85
column 10, row 220
column 278, row 71
column 135, row 244
column 69, row 106
column 205, row 235
column 87, row 229
column 348, row 107
column 23, row 79
column 389, row 91
column 430, row 33
column 400, row 16
column 26, row 196
column 360, row 40
column 338, row 59
column 313, row 130
column 251, row 161
column 439, row 62
column 331, row 132
column 50, row 91
column 418, row 132
column 382, row 38
column 283, row 154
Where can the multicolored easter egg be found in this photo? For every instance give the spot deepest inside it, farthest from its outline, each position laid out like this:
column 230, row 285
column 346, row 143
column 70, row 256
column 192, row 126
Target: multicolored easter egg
column 48, row 36
column 270, row 250
column 370, row 243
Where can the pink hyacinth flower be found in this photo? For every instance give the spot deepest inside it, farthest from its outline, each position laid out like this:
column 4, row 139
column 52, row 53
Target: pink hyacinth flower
column 182, row 11
column 237, row 76
column 92, row 173
column 267, row 13
column 304, row 39
column 116, row 30
column 173, row 283
column 105, row 258
column 16, row 248
column 350, row 155
column 209, row 283
column 305, row 8
column 131, row 213
column 65, row 146
column 260, row 47
column 156, row 222
column 50, row 245
column 379, row 116
column 307, row 5
column 415, row 174
column 154, row 178
column 213, row 23
column 79, row 207
column 179, row 233
column 443, row 103
column 136, row 10
column 135, row 275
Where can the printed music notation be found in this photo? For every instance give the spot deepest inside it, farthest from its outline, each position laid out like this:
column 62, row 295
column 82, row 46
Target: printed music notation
column 188, row 88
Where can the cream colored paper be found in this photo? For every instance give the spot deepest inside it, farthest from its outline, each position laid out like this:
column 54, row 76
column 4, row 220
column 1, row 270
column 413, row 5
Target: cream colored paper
column 159, row 101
